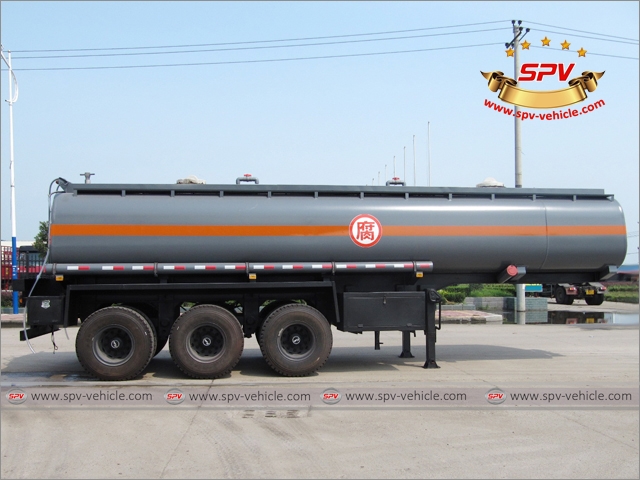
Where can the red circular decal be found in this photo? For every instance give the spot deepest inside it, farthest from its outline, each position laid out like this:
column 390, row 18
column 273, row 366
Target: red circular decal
column 365, row 230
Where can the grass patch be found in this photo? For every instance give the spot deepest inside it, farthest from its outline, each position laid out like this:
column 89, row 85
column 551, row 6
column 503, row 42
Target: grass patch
column 457, row 293
column 622, row 288
column 627, row 293
column 624, row 297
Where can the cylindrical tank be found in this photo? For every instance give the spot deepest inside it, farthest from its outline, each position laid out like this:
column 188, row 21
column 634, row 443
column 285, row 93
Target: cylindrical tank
column 459, row 230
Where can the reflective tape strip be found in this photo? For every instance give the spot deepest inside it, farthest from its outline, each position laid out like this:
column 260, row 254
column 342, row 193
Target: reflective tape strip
column 193, row 268
column 426, row 266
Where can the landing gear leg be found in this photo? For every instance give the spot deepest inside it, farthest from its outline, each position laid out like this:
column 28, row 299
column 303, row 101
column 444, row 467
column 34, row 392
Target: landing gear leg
column 430, row 332
column 406, row 345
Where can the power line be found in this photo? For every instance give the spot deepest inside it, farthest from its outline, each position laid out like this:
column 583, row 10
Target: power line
column 581, row 31
column 260, row 41
column 258, row 61
column 256, row 47
column 634, row 42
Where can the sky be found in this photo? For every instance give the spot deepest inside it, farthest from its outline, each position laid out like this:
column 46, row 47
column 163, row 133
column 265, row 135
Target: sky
column 262, row 104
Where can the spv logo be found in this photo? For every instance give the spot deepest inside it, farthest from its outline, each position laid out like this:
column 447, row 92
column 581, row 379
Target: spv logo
column 16, row 396
column 495, row 396
column 174, row 396
column 530, row 72
column 331, row 396
column 539, row 71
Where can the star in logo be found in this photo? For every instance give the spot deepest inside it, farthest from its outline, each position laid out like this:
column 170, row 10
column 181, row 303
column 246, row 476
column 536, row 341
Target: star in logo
column 565, row 45
column 525, row 45
column 582, row 52
column 509, row 52
column 546, row 41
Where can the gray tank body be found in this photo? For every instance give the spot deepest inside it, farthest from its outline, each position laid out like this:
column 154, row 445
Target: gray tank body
column 458, row 229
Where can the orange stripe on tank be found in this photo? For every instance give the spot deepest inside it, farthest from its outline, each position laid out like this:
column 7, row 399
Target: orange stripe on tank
column 199, row 230
column 73, row 230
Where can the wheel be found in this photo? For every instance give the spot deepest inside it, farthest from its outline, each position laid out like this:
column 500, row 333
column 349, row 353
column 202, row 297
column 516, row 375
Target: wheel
column 296, row 340
column 265, row 312
column 206, row 342
column 115, row 343
column 595, row 300
column 562, row 297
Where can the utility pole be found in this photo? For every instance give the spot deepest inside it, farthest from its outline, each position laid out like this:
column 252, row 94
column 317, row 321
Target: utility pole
column 415, row 172
column 14, row 243
column 517, row 36
column 405, row 166
column 385, row 172
column 429, row 150
column 394, row 166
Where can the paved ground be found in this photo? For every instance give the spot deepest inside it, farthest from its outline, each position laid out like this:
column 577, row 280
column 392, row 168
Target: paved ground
column 435, row 442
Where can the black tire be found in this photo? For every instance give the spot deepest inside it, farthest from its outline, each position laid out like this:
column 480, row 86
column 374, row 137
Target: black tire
column 206, row 342
column 296, row 340
column 115, row 343
column 562, row 298
column 161, row 340
column 595, row 300
column 264, row 314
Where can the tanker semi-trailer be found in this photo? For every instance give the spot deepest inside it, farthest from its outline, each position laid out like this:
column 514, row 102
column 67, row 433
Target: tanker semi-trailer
column 206, row 266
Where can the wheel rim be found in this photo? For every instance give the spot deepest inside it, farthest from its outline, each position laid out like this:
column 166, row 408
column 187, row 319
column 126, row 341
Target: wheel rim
column 113, row 345
column 296, row 341
column 205, row 343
